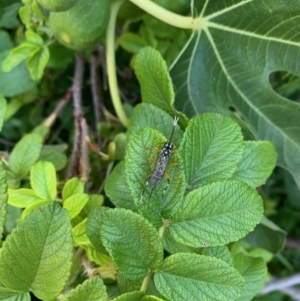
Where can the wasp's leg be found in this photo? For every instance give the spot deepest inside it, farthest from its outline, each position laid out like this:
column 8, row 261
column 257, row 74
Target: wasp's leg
column 168, row 182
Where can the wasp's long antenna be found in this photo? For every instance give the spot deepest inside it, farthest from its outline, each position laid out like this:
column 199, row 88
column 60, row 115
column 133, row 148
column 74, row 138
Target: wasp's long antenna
column 174, row 126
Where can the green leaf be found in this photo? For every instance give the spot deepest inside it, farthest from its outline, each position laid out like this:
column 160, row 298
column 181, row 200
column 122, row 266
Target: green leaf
column 41, row 246
column 31, row 207
column 15, row 82
column 100, row 259
column 151, row 298
column 75, row 203
column 17, row 55
column 90, row 290
column 132, row 242
column 25, row 154
column 197, row 277
column 60, row 56
column 117, row 189
column 95, row 201
column 9, row 16
column 219, row 252
column 211, row 148
column 3, row 106
column 72, row 186
column 22, row 197
column 268, row 236
column 43, row 180
column 153, row 75
column 227, row 63
column 216, row 214
column 258, row 161
column 79, row 234
column 3, row 197
column 146, row 114
column 145, row 146
column 93, row 228
column 254, row 271
column 131, row 296
column 37, row 63
column 131, row 42
column 9, row 295
column 5, row 41
column 56, row 157
column 34, row 38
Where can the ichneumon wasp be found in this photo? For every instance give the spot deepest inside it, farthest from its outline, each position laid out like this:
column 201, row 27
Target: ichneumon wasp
column 161, row 164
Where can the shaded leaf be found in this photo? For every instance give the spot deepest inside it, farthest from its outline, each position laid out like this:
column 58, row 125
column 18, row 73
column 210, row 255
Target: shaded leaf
column 131, row 42
column 41, row 245
column 206, row 279
column 216, row 214
column 132, row 242
column 3, row 197
column 3, row 106
column 56, row 157
column 25, row 154
column 258, row 161
column 254, row 271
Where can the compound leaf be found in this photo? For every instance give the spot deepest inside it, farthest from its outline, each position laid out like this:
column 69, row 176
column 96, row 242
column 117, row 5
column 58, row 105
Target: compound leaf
column 211, row 148
column 216, row 214
column 25, row 154
column 42, row 247
column 132, row 242
column 258, row 161
column 90, row 290
column 227, row 62
column 186, row 276
column 43, row 180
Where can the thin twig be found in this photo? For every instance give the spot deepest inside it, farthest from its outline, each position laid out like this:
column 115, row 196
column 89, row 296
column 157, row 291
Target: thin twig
column 96, row 93
column 84, row 156
column 101, row 52
column 292, row 292
column 76, row 90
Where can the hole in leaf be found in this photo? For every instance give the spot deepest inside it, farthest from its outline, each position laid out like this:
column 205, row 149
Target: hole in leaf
column 285, row 84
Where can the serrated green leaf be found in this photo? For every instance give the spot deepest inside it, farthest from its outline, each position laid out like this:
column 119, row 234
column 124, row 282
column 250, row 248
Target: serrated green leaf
column 131, row 42
column 219, row 252
column 56, row 157
column 216, row 214
column 258, row 161
column 131, row 296
column 9, row 295
column 72, row 186
column 25, row 154
column 37, row 63
column 268, row 236
column 3, row 197
column 90, row 290
column 43, row 180
column 153, row 75
column 95, row 201
column 22, row 197
column 3, row 106
column 173, row 247
column 79, row 234
column 75, row 203
column 146, row 114
column 17, row 55
column 254, row 271
column 145, row 146
column 226, row 63
column 132, row 242
column 31, row 207
column 117, row 189
column 197, row 277
column 42, row 247
column 212, row 147
column 93, row 228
